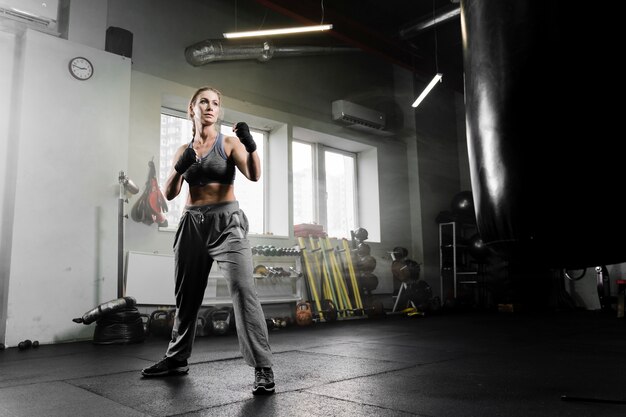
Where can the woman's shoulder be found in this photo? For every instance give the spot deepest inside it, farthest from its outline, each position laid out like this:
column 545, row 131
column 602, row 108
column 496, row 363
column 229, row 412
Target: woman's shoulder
column 229, row 141
column 229, row 138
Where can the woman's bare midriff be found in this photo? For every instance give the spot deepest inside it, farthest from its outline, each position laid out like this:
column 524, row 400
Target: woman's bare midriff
column 210, row 194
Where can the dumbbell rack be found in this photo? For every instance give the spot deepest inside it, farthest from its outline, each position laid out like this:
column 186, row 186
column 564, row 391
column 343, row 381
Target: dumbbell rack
column 275, row 287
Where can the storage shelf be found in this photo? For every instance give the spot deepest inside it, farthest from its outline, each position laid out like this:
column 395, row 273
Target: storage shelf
column 454, row 258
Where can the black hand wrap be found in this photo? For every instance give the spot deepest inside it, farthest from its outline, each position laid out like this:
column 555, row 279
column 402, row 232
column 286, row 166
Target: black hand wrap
column 186, row 160
column 243, row 133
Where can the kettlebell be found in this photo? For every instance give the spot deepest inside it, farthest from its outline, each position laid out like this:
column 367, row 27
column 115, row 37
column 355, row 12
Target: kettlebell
column 330, row 311
column 304, row 315
column 161, row 323
column 220, row 321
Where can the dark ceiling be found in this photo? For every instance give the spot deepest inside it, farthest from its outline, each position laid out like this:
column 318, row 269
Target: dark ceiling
column 399, row 31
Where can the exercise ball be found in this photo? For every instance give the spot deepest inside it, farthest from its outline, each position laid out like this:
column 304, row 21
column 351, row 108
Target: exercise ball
column 463, row 204
column 477, row 248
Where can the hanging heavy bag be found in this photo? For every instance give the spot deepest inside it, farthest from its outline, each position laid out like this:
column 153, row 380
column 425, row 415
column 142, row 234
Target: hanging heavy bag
column 151, row 205
column 156, row 200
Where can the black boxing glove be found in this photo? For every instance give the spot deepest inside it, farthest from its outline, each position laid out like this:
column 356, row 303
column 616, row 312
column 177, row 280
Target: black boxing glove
column 243, row 133
column 187, row 159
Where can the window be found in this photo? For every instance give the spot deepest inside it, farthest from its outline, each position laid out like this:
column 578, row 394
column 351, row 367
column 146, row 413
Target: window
column 340, row 180
column 176, row 130
column 333, row 202
column 251, row 194
column 303, row 201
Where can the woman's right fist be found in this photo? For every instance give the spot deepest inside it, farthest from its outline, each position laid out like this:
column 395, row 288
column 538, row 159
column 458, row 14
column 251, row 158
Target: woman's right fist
column 187, row 159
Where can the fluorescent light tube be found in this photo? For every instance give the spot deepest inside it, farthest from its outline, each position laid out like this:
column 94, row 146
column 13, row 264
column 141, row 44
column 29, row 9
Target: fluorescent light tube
column 427, row 89
column 283, row 31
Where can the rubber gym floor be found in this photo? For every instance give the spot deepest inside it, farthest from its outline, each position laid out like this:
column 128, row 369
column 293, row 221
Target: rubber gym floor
column 454, row 364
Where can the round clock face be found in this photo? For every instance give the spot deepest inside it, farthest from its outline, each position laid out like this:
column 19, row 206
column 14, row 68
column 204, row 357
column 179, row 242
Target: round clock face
column 81, row 68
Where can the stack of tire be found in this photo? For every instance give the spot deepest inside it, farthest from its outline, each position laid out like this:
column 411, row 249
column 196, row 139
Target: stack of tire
column 118, row 322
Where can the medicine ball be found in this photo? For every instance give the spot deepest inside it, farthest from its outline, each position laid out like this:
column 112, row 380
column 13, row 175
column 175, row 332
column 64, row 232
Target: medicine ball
column 360, row 234
column 366, row 263
column 363, row 249
column 368, row 281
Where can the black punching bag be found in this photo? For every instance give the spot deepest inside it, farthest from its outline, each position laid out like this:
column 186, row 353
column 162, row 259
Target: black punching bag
column 544, row 142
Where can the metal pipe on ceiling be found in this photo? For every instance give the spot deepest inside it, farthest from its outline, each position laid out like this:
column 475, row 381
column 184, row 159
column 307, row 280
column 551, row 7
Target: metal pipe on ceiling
column 214, row 50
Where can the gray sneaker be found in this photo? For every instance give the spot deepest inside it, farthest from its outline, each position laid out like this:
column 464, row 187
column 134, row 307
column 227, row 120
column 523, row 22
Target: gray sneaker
column 166, row 366
column 263, row 381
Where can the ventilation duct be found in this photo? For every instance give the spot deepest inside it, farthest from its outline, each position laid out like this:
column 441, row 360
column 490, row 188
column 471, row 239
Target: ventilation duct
column 213, row 50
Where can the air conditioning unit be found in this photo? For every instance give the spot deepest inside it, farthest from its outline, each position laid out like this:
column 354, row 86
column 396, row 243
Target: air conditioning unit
column 38, row 14
column 355, row 114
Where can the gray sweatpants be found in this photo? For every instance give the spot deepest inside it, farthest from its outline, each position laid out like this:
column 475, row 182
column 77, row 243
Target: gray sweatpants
column 217, row 232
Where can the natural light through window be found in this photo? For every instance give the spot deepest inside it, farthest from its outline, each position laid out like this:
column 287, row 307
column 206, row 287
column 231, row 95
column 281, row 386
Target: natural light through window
column 324, row 187
column 175, row 131
column 303, row 203
column 340, row 193
column 250, row 194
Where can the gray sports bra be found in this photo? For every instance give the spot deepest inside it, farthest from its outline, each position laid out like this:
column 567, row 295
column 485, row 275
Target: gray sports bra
column 214, row 167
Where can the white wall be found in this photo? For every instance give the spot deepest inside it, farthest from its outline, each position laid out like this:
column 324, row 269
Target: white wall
column 8, row 50
column 87, row 22
column 71, row 143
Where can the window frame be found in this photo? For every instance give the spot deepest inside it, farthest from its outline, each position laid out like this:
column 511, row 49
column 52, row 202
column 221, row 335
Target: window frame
column 172, row 112
column 320, row 194
column 264, row 170
column 322, row 149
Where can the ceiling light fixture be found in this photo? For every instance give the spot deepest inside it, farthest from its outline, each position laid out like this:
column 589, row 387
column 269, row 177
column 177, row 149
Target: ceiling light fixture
column 438, row 76
column 429, row 87
column 283, row 31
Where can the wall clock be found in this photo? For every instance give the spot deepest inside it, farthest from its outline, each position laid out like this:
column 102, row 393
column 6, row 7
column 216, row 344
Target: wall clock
column 81, row 68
